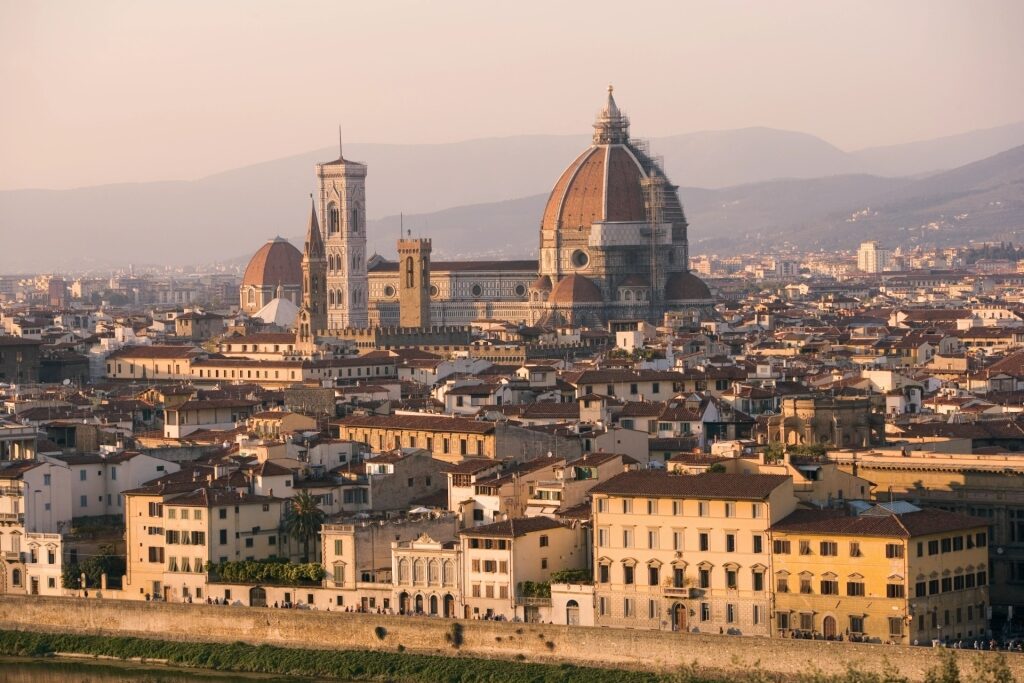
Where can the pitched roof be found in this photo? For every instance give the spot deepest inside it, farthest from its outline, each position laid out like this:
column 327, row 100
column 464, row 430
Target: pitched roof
column 709, row 485
column 919, row 523
column 513, row 528
column 429, row 423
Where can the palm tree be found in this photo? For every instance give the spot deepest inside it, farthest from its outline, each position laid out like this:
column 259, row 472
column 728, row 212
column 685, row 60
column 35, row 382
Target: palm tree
column 304, row 519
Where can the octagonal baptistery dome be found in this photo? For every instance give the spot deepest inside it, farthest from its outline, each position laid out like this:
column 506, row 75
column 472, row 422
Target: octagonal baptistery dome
column 614, row 218
column 275, row 269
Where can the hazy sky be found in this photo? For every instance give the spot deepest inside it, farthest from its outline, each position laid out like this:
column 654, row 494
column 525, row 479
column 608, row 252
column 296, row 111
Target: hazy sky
column 97, row 91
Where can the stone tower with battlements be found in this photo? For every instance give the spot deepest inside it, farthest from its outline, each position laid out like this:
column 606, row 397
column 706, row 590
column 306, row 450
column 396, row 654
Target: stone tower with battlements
column 414, row 283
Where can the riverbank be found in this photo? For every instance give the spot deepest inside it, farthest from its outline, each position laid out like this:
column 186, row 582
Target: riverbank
column 368, row 644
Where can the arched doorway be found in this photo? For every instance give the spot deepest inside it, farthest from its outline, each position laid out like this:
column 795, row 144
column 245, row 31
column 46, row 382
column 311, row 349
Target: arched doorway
column 828, row 627
column 433, row 605
column 449, row 606
column 257, row 596
column 679, row 617
column 419, row 604
column 572, row 613
column 403, row 603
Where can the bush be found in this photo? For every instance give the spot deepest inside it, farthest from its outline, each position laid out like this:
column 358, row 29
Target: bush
column 272, row 571
column 380, row 632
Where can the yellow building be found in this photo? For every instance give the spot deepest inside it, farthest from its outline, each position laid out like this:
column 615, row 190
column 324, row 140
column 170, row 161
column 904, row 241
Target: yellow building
column 687, row 552
column 173, row 530
column 894, row 573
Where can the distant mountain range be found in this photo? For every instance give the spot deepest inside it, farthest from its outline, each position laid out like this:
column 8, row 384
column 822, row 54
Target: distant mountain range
column 742, row 189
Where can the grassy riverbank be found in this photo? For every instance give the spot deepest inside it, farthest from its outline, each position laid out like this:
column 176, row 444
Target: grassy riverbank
column 402, row 667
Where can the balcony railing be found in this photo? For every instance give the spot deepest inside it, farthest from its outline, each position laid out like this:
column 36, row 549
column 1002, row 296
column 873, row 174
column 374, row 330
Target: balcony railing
column 17, row 517
column 532, row 602
column 12, row 556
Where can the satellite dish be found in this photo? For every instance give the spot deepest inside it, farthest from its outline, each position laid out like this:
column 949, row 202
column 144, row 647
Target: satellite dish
column 66, row 382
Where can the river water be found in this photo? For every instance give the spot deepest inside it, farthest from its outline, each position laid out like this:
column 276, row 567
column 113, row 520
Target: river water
column 18, row 670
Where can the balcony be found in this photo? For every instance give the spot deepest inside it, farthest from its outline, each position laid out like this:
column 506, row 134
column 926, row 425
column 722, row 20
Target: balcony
column 12, row 518
column 12, row 556
column 532, row 602
column 677, row 591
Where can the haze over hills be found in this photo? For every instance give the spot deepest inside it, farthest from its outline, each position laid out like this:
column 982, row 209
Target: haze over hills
column 484, row 197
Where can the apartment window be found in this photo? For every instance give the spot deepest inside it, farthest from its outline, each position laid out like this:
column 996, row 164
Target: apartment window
column 829, row 548
column 947, row 545
column 81, row 475
column 958, row 583
column 627, row 574
column 782, row 620
column 172, row 513
column 781, row 583
column 677, row 540
column 627, row 538
column 463, row 449
column 627, row 506
column 829, row 587
column 855, row 589
column 805, row 585
column 652, row 539
column 730, row 509
column 705, row 611
column 730, row 613
column 223, row 536
column 704, row 576
column 652, row 609
column 758, row 543
column 602, row 537
column 650, row 507
column 222, row 513
column 855, row 549
column 806, row 621
column 933, row 587
column 677, row 507
column 805, row 547
column 730, row 543
column 730, row 579
column 981, row 539
column 947, row 584
column 856, row 624
column 893, row 550
column 755, row 510
column 896, row 626
column 603, row 574
column 920, row 589
column 83, row 501
column 653, row 576
column 705, row 541
column 933, row 547
column 758, row 581
column 780, row 547
column 544, row 541
column 628, row 607
column 248, row 542
column 543, row 563
column 920, row 549
column 602, row 606
column 46, row 480
column 702, row 508
column 678, row 577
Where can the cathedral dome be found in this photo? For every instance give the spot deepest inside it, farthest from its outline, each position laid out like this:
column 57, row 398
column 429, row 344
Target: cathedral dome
column 686, row 287
column 575, row 289
column 276, row 263
column 542, row 284
column 602, row 184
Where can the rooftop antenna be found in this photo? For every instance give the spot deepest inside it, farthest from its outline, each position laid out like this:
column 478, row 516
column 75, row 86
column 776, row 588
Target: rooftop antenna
column 340, row 155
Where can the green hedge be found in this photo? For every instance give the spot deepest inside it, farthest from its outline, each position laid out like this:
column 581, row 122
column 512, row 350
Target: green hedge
column 267, row 571
column 344, row 664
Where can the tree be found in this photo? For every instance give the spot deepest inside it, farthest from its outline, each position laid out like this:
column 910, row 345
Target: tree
column 992, row 669
column 303, row 520
column 946, row 671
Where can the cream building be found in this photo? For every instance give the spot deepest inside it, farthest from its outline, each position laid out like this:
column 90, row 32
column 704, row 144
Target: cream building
column 427, row 577
column 497, row 558
column 687, row 552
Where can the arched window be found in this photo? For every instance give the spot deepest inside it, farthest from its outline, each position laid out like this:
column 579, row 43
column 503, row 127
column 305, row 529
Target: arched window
column 355, row 220
column 252, row 295
column 403, row 571
column 410, row 277
column 332, row 218
column 448, row 573
column 16, row 577
column 330, row 297
column 417, row 571
column 432, row 575
column 423, row 272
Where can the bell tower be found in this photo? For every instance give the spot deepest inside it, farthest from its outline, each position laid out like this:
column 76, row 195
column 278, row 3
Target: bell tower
column 414, row 283
column 342, row 194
